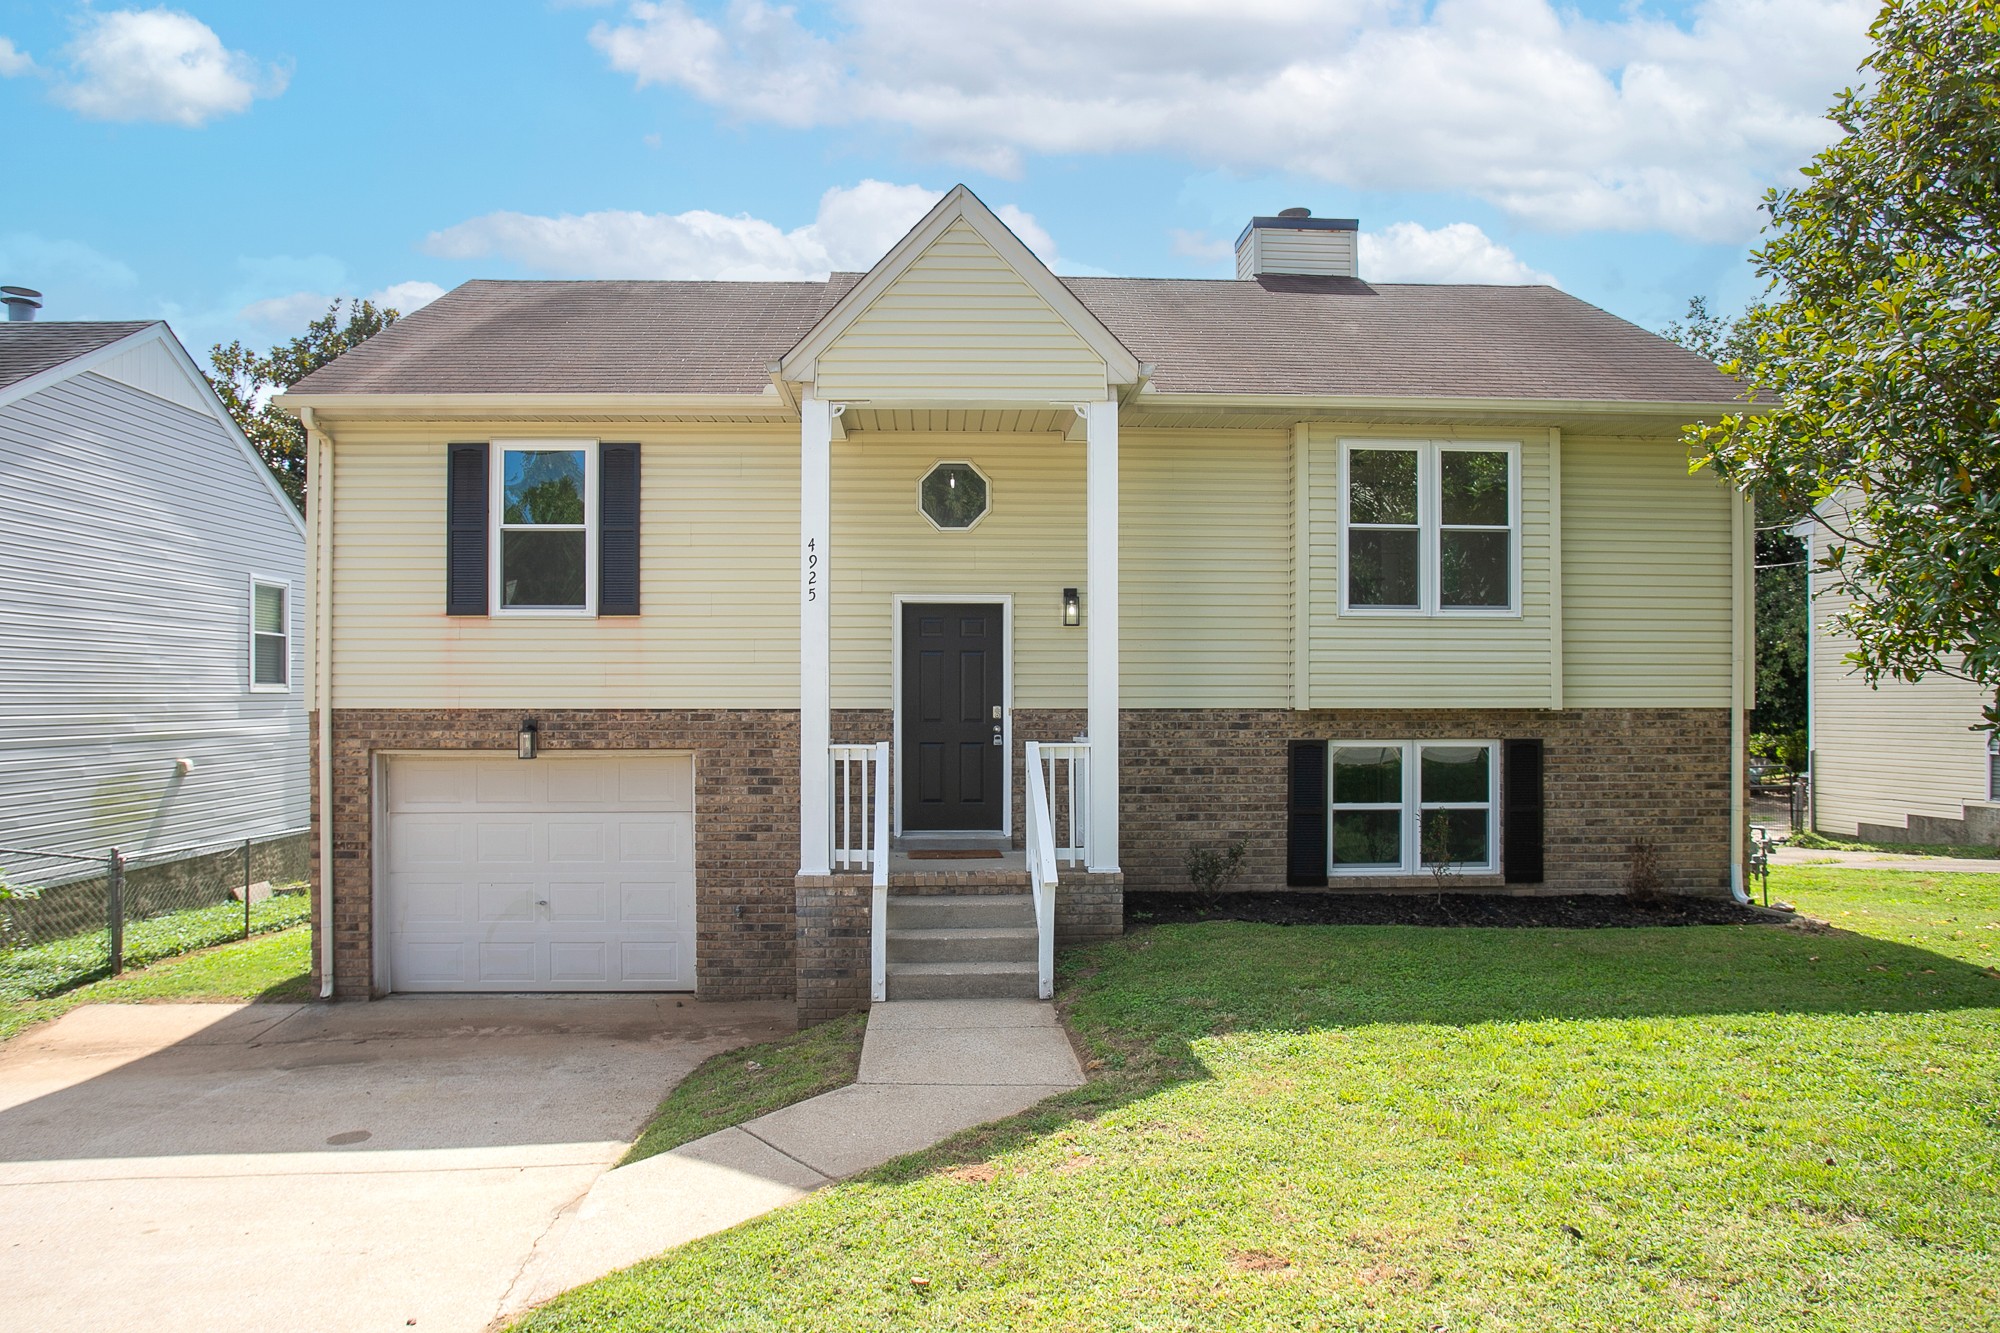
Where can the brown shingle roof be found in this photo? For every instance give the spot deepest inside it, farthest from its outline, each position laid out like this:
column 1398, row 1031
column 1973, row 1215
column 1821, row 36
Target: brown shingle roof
column 1345, row 338
column 584, row 337
column 27, row 348
column 1277, row 335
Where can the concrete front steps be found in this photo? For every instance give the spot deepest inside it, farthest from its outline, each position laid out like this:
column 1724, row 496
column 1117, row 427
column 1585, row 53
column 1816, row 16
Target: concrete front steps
column 962, row 945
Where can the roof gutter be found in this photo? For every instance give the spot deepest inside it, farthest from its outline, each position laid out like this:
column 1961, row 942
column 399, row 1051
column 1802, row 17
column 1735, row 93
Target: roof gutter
column 1358, row 404
column 319, row 481
column 355, row 406
column 1742, row 639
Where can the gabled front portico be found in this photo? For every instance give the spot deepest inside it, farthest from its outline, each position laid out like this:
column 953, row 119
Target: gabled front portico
column 918, row 334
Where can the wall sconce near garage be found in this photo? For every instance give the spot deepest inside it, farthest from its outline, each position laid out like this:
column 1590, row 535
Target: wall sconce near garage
column 1072, row 607
column 527, row 744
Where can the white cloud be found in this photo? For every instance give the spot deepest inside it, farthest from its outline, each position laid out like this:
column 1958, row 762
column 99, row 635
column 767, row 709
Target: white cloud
column 1458, row 252
column 406, row 298
column 1199, row 245
column 292, row 312
column 1566, row 122
column 13, row 60
column 58, row 266
column 855, row 226
column 160, row 65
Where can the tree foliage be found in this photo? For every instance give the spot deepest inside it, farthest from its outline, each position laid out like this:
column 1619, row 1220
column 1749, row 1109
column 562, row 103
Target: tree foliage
column 1877, row 356
column 1780, row 556
column 246, row 381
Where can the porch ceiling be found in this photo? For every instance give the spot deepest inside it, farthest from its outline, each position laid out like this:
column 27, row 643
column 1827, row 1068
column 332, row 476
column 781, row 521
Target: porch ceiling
column 976, row 421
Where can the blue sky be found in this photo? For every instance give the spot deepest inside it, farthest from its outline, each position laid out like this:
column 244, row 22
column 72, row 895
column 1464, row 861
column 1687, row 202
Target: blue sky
column 230, row 165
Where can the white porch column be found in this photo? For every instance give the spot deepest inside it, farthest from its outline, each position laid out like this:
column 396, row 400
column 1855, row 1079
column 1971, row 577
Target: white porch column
column 815, row 635
column 1100, row 424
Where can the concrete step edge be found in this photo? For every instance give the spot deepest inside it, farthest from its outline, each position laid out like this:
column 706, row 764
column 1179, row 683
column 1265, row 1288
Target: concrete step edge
column 963, row 969
column 1009, row 933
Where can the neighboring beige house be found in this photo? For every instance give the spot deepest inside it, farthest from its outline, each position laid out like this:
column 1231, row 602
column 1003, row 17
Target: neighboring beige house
column 1899, row 763
column 1061, row 576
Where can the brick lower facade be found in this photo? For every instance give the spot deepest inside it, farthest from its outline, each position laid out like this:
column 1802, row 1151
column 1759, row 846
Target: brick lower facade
column 1616, row 780
column 746, row 823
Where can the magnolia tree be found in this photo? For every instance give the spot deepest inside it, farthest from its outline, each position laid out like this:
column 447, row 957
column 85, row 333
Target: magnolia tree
column 1876, row 358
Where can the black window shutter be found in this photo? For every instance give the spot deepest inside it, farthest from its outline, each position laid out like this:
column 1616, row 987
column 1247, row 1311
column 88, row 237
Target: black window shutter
column 1305, row 835
column 618, row 530
column 1521, row 812
column 465, row 531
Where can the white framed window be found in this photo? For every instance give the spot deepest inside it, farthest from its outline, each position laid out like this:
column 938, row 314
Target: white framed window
column 1404, row 807
column 1430, row 527
column 270, row 635
column 544, row 507
column 954, row 496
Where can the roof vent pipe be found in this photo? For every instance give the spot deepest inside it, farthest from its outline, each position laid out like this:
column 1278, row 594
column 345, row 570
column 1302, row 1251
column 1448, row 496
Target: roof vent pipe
column 22, row 303
column 1295, row 242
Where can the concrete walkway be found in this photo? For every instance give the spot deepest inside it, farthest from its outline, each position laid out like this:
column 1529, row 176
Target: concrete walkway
column 929, row 1068
column 1935, row 865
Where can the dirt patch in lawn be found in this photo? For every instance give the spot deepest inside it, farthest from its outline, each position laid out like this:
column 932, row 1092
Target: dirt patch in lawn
column 1583, row 911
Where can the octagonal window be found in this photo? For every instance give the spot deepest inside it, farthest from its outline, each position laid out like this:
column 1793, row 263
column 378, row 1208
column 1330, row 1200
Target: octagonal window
column 953, row 496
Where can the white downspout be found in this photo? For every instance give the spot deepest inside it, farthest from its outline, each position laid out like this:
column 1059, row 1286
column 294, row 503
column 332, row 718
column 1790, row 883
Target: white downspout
column 319, row 487
column 1742, row 599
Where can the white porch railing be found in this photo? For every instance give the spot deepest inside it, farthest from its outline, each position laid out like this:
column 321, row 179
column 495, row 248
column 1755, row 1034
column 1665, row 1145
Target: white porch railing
column 1066, row 771
column 859, row 808
column 1042, row 866
column 859, row 812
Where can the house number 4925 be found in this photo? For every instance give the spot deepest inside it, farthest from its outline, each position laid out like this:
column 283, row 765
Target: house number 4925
column 812, row 569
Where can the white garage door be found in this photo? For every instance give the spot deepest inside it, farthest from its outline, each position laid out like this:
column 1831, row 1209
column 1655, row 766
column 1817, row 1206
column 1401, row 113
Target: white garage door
column 567, row 873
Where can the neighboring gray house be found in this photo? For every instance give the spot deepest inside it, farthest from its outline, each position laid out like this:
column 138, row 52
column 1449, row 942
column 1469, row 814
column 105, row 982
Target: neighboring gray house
column 1899, row 763
column 152, row 590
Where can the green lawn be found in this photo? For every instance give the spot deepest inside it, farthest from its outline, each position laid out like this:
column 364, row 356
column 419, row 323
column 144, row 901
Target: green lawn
column 41, row 970
column 264, row 967
column 750, row 1081
column 1405, row 1128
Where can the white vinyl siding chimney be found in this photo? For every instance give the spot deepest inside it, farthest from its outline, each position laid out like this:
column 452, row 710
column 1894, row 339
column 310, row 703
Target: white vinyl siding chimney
column 1297, row 244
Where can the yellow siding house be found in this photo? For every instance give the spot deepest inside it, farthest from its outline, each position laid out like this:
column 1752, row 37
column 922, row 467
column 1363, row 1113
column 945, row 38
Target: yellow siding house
column 705, row 636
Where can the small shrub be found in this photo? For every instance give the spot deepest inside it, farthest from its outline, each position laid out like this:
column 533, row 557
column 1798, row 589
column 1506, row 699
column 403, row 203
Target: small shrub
column 1437, row 853
column 1645, row 884
column 1210, row 869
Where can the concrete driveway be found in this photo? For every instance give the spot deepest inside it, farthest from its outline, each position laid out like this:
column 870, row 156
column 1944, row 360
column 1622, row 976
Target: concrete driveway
column 363, row 1167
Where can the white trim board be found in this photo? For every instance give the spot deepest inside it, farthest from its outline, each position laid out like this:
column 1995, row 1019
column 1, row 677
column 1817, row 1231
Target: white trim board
column 1005, row 601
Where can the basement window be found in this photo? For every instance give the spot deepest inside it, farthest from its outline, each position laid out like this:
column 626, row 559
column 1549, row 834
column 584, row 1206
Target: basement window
column 1405, row 807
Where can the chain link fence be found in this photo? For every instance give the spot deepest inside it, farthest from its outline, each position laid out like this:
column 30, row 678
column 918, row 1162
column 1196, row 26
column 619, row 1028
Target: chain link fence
column 61, row 909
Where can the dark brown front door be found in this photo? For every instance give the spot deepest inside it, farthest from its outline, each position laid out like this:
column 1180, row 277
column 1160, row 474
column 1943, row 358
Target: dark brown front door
column 952, row 727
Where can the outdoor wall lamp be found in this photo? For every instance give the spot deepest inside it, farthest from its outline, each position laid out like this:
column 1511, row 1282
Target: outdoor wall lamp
column 1072, row 608
column 525, row 743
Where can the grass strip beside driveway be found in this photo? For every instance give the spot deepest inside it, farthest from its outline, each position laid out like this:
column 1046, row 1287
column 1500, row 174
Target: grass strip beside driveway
column 1410, row 1128
column 743, row 1084
column 41, row 970
column 269, row 967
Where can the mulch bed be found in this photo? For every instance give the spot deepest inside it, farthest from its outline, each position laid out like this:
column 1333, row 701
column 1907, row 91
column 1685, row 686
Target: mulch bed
column 1583, row 911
